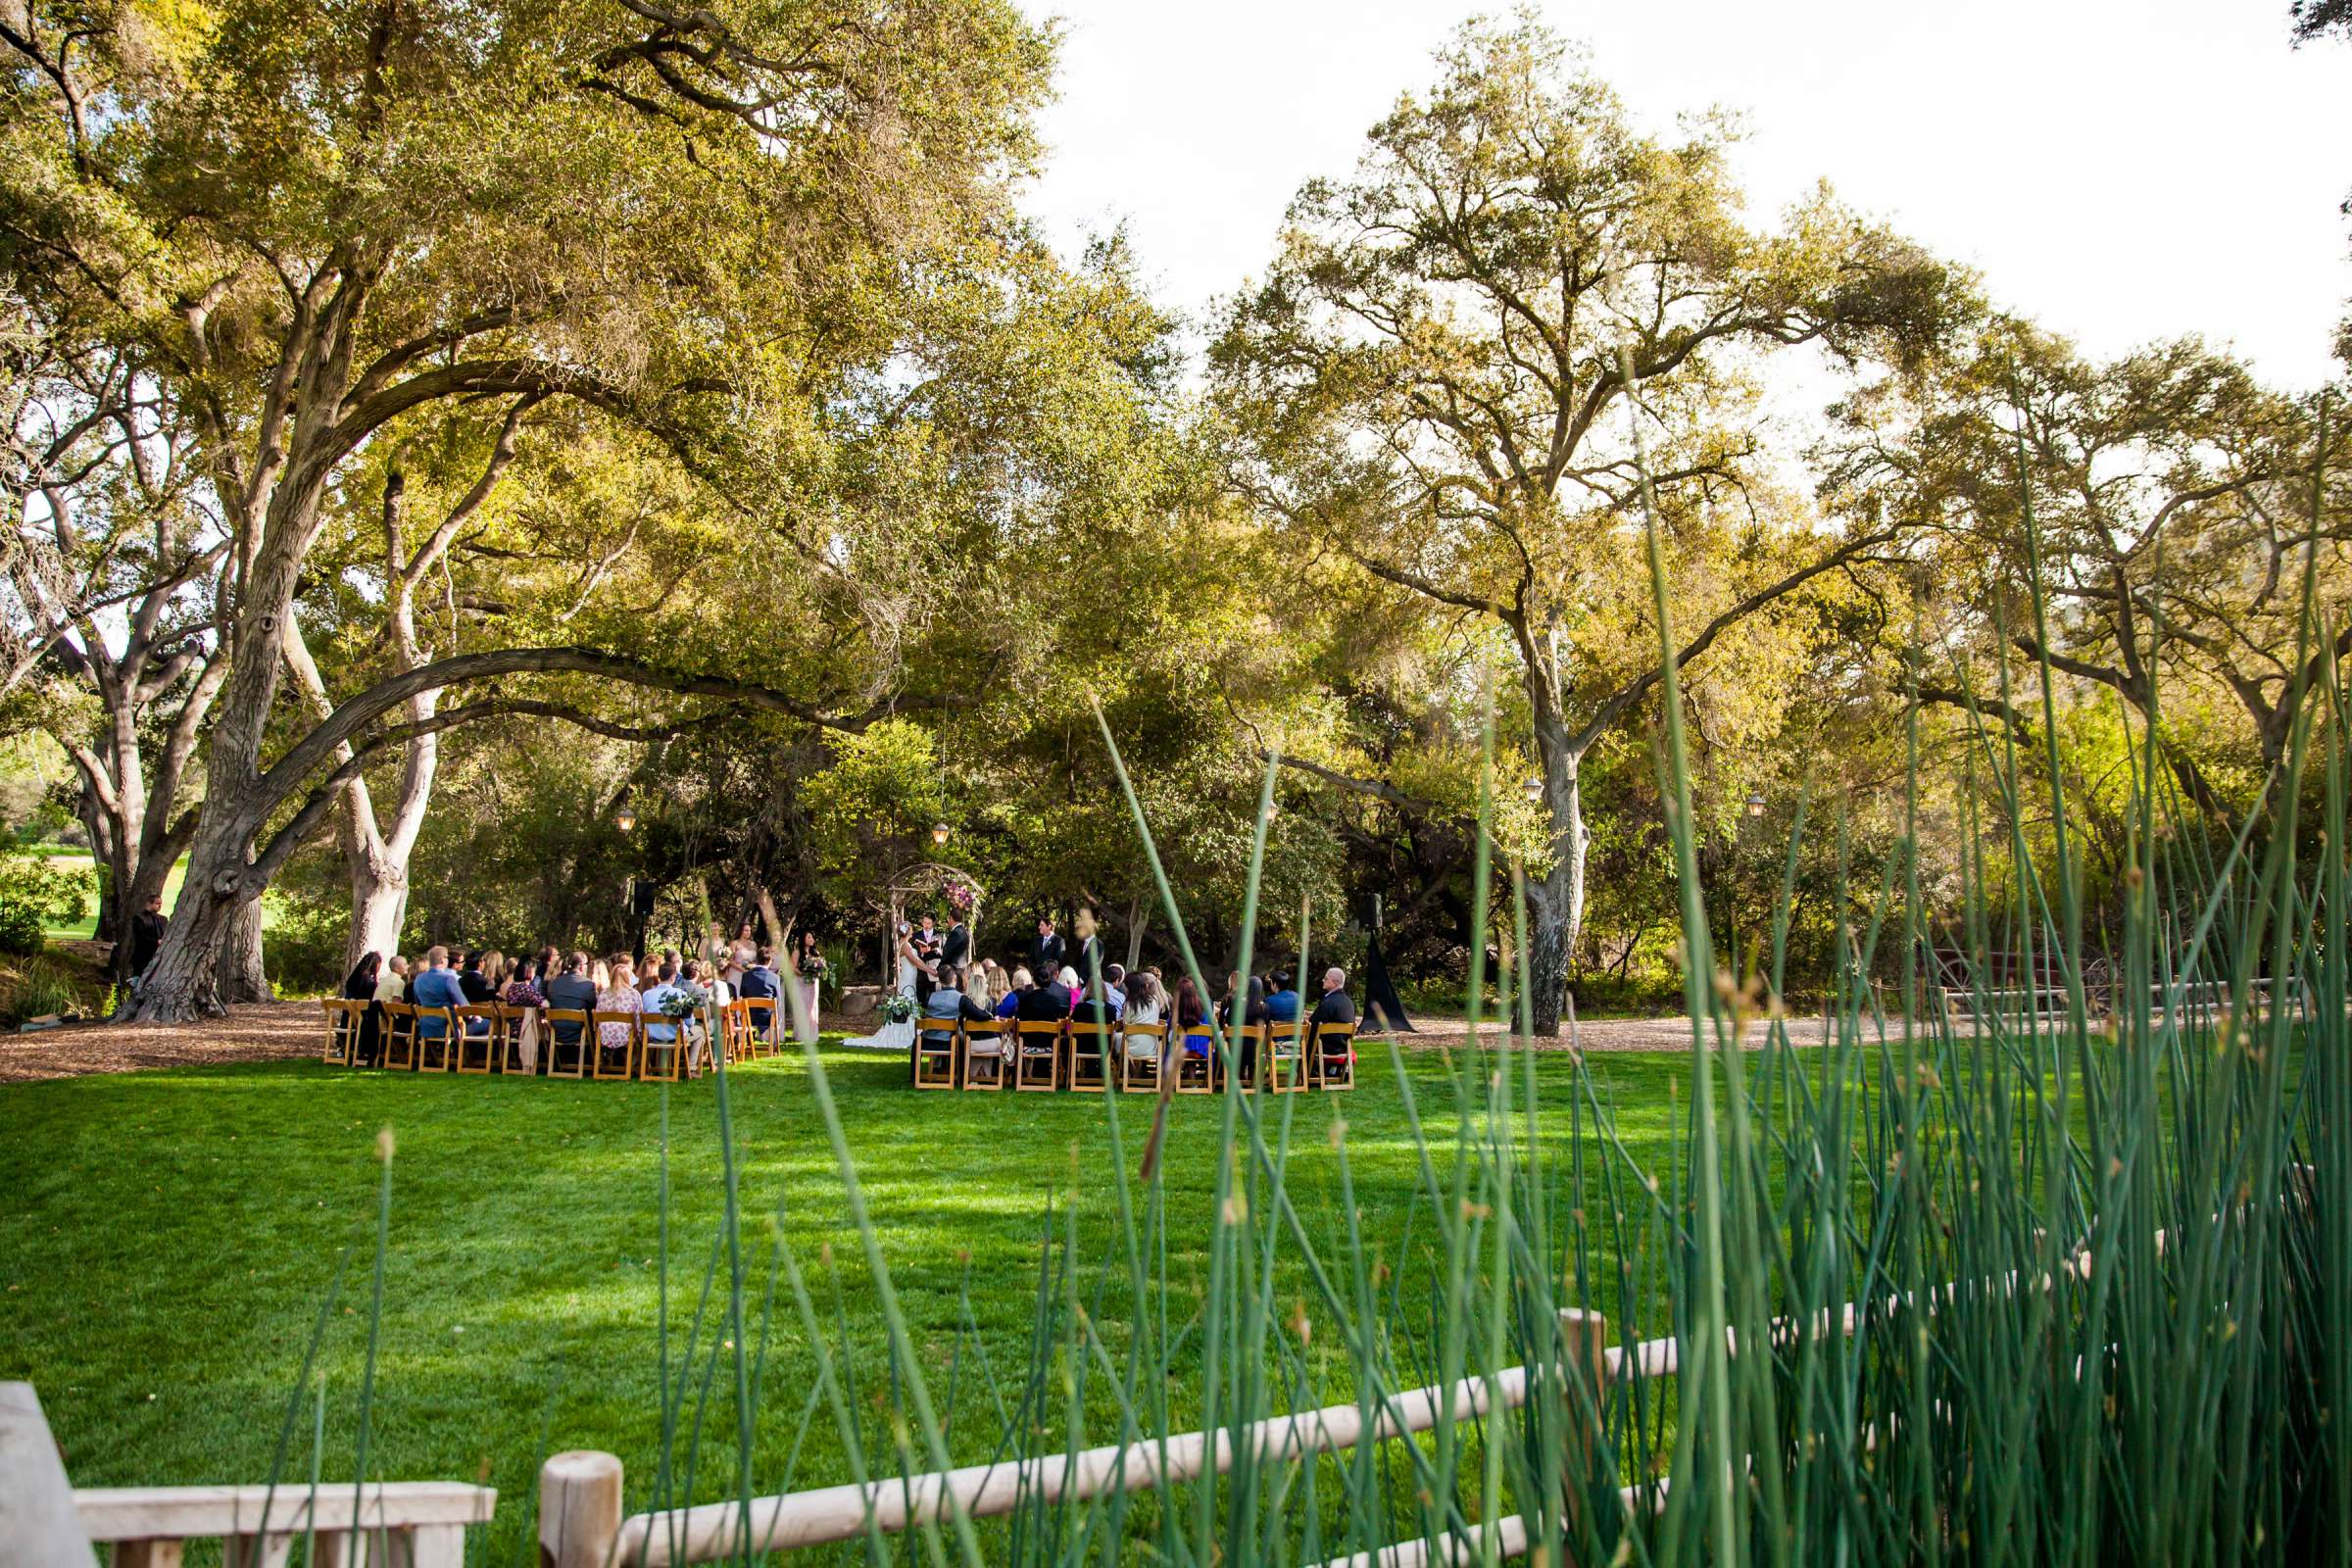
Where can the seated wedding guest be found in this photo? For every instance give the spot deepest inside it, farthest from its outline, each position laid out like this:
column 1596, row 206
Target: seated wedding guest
column 523, row 987
column 392, row 983
column 1253, row 1016
column 436, row 987
column 979, row 986
column 702, row 972
column 1190, row 1016
column 1067, row 979
column 647, row 966
column 1086, row 1009
column 550, row 963
column 360, row 986
column 1047, row 1000
column 571, row 991
column 948, row 1003
column 659, row 1029
column 1145, row 1003
column 1009, row 1005
column 497, row 970
column 761, row 981
column 1114, row 986
column 618, row 994
column 759, row 977
column 473, row 981
column 1282, row 999
column 1335, row 1008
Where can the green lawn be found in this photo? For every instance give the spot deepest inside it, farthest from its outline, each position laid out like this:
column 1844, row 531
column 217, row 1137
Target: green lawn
column 168, row 1239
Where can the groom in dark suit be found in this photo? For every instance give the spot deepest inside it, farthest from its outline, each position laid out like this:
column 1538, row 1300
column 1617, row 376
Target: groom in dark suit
column 955, row 951
column 1045, row 954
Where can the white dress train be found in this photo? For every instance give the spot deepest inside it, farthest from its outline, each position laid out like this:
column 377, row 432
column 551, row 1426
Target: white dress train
column 899, row 1037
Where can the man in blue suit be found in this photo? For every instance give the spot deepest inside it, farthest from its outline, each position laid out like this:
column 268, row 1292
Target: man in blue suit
column 437, row 987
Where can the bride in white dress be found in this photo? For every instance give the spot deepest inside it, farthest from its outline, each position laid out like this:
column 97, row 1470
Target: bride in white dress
column 900, row 1036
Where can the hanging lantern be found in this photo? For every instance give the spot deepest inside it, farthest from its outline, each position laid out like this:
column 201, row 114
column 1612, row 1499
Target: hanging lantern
column 939, row 834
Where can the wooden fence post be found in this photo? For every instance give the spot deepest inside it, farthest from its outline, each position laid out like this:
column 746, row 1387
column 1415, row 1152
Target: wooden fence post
column 39, row 1525
column 579, row 1509
column 1585, row 1341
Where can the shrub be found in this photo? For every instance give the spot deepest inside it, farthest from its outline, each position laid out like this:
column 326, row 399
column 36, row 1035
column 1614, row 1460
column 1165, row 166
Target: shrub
column 35, row 893
column 20, row 930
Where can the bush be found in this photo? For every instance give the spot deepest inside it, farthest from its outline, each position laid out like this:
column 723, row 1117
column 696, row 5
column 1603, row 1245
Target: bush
column 20, row 930
column 35, row 894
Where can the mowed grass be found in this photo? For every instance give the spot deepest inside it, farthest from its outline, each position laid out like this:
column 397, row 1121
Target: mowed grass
column 168, row 1239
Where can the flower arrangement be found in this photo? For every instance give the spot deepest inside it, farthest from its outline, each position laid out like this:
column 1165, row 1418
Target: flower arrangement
column 685, row 998
column 959, row 894
column 897, row 1007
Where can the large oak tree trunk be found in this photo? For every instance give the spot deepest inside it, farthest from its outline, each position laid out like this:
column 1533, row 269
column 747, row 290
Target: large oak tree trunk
column 239, row 974
column 379, row 909
column 1557, row 903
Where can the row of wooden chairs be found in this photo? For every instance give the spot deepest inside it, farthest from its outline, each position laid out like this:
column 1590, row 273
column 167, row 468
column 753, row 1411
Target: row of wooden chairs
column 1042, row 1056
column 483, row 1038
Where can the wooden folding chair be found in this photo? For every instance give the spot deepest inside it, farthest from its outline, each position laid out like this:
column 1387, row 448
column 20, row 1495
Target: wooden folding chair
column 506, row 1039
column 342, row 1031
column 598, row 1049
column 677, row 1046
column 400, row 1035
column 446, row 1040
column 1090, row 1057
column 1040, row 1047
column 549, row 1019
column 936, row 1057
column 470, row 1043
column 1249, row 1044
column 1140, row 1053
column 1332, row 1056
column 1284, row 1063
column 1195, row 1075
column 990, row 1039
column 760, row 1015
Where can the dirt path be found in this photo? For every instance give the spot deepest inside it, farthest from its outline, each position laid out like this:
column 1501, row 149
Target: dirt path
column 285, row 1030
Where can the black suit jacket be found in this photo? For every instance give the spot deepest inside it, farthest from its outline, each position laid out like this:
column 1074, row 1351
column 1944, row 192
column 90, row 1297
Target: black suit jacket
column 958, row 948
column 1335, row 1008
column 1045, row 957
column 1045, row 1004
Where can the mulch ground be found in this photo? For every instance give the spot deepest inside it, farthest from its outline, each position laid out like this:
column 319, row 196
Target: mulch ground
column 284, row 1030
column 265, row 1032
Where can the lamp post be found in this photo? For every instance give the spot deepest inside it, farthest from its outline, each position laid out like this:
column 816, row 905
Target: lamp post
column 939, row 835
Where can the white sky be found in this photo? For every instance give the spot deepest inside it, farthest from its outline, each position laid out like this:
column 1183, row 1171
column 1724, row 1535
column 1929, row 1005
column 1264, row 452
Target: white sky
column 2120, row 172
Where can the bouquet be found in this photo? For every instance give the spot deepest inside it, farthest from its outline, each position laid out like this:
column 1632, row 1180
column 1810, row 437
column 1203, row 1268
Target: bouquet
column 897, row 1007
column 685, row 998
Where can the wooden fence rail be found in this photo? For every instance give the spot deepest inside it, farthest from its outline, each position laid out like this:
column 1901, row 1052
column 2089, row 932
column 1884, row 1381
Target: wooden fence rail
column 45, row 1521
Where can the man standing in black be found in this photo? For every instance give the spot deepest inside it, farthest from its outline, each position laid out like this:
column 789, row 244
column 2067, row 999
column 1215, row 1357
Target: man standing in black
column 955, row 949
column 147, row 929
column 1044, row 955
